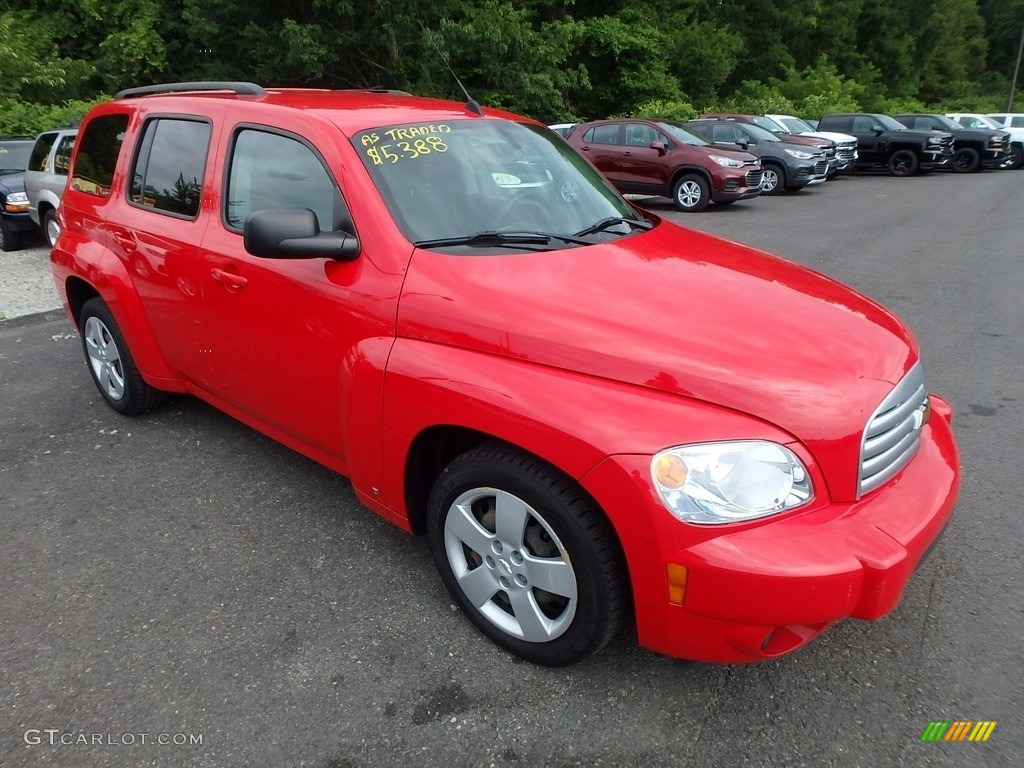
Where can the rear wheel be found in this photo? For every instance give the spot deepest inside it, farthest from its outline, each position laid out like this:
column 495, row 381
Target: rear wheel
column 110, row 362
column 966, row 160
column 528, row 558
column 51, row 228
column 903, row 163
column 691, row 193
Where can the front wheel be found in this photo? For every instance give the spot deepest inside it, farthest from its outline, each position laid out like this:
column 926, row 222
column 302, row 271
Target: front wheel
column 110, row 362
column 903, row 163
column 966, row 160
column 9, row 239
column 691, row 193
column 526, row 555
column 774, row 180
column 1016, row 156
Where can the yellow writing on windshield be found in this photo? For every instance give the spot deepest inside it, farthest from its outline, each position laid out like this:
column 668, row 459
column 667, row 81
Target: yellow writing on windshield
column 406, row 143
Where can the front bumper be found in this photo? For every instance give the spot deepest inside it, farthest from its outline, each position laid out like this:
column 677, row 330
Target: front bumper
column 933, row 159
column 19, row 222
column 758, row 590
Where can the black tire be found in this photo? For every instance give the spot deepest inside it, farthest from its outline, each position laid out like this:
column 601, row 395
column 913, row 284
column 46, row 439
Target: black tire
column 1016, row 156
column 9, row 239
column 774, row 180
column 691, row 193
column 966, row 160
column 50, row 226
column 500, row 523
column 110, row 362
column 903, row 163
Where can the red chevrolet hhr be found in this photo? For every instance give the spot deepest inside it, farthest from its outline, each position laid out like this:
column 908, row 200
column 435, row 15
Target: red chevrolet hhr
column 598, row 418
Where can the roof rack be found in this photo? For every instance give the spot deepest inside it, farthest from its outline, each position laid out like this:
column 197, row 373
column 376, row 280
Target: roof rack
column 239, row 88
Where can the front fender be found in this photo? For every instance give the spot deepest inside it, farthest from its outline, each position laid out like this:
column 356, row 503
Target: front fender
column 570, row 420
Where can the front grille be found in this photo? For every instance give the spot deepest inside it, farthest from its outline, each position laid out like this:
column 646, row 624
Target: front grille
column 845, row 151
column 893, row 433
column 754, row 177
column 820, row 167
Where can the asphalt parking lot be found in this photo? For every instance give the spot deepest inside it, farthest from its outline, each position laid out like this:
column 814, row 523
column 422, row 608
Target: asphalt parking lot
column 178, row 590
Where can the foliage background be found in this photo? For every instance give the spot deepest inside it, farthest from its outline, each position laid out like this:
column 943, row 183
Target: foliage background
column 556, row 60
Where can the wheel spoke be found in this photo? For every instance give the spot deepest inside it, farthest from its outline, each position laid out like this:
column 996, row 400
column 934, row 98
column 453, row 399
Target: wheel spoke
column 478, row 585
column 535, row 626
column 511, row 515
column 551, row 575
column 463, row 526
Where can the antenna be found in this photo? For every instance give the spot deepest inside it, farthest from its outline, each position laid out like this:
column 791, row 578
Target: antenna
column 471, row 103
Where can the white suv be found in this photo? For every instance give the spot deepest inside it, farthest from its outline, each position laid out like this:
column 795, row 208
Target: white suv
column 1012, row 123
column 46, row 177
column 846, row 145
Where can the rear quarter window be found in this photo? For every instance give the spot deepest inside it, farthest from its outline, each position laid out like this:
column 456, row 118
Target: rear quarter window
column 99, row 146
column 41, row 151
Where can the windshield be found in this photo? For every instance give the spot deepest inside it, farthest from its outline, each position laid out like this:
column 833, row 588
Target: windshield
column 448, row 184
column 945, row 122
column 768, row 124
column 682, row 134
column 889, row 124
column 14, row 155
column 795, row 124
column 760, row 134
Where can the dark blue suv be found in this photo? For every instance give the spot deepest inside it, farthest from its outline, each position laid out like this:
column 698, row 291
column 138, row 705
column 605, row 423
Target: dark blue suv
column 14, row 218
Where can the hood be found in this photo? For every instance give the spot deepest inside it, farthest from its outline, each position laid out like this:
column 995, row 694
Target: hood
column 913, row 134
column 681, row 312
column 11, row 181
column 838, row 138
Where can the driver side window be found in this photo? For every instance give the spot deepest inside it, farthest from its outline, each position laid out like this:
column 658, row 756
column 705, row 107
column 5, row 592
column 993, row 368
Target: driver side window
column 271, row 171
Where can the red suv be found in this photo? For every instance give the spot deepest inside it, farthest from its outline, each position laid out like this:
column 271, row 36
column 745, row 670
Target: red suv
column 651, row 157
column 598, row 418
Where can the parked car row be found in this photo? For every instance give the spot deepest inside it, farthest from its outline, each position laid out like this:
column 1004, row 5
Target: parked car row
column 723, row 158
column 33, row 174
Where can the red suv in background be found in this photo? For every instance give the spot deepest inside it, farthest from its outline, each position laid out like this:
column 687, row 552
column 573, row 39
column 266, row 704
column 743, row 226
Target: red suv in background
column 650, row 157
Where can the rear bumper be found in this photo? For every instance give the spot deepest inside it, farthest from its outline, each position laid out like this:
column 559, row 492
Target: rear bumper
column 756, row 591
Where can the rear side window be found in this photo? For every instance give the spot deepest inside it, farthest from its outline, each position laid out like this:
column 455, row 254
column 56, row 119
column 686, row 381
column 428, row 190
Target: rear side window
column 37, row 162
column 602, row 134
column 169, row 168
column 271, row 171
column 62, row 158
column 97, row 154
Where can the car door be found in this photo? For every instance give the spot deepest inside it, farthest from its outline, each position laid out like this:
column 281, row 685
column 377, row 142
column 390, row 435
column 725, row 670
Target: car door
column 871, row 143
column 640, row 163
column 601, row 145
column 156, row 228
column 282, row 330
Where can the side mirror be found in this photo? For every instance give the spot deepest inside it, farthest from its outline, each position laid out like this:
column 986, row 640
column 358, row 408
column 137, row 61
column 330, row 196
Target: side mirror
column 877, row 129
column 659, row 146
column 294, row 233
column 744, row 143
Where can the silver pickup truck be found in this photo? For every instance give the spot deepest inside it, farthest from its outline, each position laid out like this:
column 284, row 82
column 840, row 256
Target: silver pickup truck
column 46, row 176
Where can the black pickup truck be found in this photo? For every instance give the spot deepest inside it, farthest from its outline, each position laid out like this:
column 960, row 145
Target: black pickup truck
column 883, row 143
column 973, row 148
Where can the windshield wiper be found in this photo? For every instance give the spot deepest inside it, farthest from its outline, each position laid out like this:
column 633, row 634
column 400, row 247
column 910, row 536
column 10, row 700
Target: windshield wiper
column 492, row 239
column 611, row 221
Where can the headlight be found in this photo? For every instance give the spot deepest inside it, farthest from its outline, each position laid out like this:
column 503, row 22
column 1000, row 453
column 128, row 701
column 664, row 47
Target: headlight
column 798, row 154
column 17, row 202
column 727, row 162
column 729, row 482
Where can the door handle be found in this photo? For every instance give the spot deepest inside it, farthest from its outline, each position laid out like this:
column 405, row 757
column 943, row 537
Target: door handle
column 126, row 241
column 232, row 280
